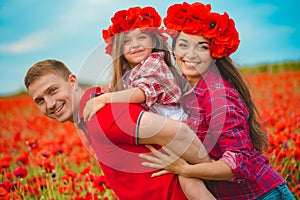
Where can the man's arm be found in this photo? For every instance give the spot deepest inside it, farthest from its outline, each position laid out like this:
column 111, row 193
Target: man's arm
column 176, row 135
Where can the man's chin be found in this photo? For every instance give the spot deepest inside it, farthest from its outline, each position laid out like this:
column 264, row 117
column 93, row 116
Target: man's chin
column 60, row 119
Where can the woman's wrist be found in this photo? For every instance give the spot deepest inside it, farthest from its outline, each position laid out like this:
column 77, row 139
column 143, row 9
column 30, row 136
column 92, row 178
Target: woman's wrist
column 186, row 170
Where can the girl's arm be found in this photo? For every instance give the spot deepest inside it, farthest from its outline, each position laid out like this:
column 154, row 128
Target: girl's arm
column 132, row 95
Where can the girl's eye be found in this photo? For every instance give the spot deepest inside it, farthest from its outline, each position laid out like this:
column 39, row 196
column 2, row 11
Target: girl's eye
column 142, row 37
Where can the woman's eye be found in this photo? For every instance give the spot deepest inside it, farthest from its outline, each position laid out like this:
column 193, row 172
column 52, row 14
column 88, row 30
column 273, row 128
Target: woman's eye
column 182, row 45
column 202, row 47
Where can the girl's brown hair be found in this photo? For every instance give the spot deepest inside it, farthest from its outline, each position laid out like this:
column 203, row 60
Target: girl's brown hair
column 120, row 64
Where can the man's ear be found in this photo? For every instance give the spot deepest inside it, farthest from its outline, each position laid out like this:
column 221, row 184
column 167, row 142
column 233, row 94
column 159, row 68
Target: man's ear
column 73, row 80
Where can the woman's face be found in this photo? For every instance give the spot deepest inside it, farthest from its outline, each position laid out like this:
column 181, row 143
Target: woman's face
column 137, row 47
column 192, row 55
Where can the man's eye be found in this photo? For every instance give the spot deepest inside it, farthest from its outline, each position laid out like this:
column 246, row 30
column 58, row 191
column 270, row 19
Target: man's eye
column 53, row 90
column 39, row 101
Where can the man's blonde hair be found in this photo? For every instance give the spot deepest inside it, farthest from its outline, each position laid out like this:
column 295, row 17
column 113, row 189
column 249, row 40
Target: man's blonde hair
column 45, row 67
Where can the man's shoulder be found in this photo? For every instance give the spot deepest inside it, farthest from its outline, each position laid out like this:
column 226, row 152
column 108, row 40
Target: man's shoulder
column 87, row 95
column 91, row 93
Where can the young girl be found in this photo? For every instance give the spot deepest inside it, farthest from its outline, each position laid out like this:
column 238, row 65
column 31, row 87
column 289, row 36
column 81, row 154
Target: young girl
column 143, row 72
column 223, row 115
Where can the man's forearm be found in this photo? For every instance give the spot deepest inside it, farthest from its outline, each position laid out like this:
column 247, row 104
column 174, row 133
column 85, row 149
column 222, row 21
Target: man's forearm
column 156, row 129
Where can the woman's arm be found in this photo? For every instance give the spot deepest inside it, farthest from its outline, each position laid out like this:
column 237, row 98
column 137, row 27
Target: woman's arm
column 132, row 95
column 171, row 163
column 173, row 134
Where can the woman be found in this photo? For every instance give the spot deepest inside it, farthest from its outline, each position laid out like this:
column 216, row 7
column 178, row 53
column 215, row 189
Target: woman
column 223, row 114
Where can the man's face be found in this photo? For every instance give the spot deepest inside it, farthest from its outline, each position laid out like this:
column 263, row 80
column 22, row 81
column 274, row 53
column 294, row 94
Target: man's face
column 54, row 96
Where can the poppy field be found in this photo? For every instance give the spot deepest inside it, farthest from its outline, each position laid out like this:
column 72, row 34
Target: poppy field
column 44, row 159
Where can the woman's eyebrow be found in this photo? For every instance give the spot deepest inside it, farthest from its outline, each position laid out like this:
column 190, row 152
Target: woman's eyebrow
column 203, row 43
column 184, row 40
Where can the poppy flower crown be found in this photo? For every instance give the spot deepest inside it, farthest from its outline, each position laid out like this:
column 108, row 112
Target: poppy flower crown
column 197, row 19
column 147, row 19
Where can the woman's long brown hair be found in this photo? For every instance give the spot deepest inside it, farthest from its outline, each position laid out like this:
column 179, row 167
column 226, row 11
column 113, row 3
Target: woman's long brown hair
column 230, row 72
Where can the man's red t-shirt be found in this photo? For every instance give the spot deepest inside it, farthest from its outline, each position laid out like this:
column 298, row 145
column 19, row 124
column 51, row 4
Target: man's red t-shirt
column 111, row 135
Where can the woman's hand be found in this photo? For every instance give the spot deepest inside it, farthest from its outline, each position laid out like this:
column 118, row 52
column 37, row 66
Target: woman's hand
column 92, row 106
column 169, row 162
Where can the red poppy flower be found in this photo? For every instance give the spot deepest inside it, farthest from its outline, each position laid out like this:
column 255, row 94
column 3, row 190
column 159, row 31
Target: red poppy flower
column 23, row 158
column 90, row 195
column 176, row 16
column 6, row 184
column 4, row 164
column 197, row 19
column 86, row 170
column 125, row 20
column 65, row 189
column 20, row 172
column 3, row 193
column 71, row 174
column 193, row 11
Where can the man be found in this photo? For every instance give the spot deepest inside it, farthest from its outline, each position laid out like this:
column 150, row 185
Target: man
column 116, row 134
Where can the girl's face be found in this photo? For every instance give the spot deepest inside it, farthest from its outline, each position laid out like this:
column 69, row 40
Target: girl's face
column 192, row 55
column 137, row 47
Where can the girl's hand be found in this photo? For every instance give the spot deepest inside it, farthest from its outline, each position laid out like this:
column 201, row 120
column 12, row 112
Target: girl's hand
column 169, row 162
column 92, row 106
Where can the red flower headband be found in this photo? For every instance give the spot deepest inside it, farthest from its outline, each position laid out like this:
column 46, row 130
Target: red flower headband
column 197, row 19
column 146, row 19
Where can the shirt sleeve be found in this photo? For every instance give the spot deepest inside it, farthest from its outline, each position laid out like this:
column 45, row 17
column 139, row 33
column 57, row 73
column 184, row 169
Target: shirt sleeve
column 157, row 81
column 118, row 122
column 228, row 118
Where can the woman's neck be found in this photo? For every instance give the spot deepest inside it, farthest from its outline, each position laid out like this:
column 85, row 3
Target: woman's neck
column 193, row 80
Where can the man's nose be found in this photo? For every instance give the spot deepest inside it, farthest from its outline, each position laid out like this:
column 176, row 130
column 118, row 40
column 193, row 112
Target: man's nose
column 50, row 103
